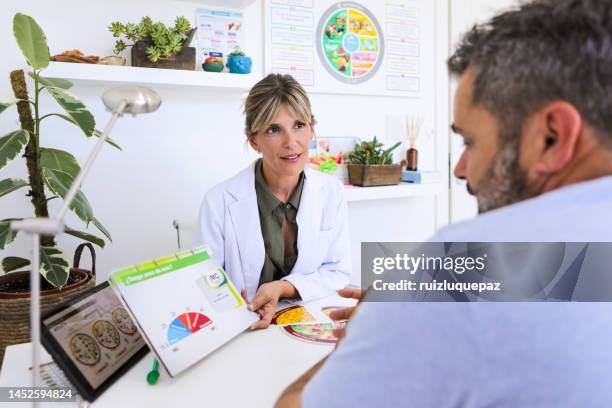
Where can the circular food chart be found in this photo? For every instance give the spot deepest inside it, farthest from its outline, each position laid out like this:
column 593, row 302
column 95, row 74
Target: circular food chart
column 123, row 321
column 350, row 42
column 84, row 349
column 319, row 333
column 292, row 314
column 106, row 334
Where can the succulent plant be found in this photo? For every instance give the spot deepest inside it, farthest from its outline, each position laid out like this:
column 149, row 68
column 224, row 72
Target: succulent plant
column 372, row 153
column 237, row 53
column 164, row 42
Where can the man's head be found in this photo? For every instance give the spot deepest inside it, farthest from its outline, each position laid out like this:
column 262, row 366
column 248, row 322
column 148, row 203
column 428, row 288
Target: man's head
column 534, row 102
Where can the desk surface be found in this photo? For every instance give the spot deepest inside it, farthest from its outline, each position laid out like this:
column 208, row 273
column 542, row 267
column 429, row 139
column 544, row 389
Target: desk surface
column 251, row 370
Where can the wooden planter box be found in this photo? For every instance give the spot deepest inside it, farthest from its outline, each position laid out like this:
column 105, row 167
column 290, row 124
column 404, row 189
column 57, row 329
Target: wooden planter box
column 184, row 59
column 374, row 175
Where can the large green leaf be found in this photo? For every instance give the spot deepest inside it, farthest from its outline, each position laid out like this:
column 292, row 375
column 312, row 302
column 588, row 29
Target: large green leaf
column 52, row 82
column 10, row 185
column 85, row 236
column 54, row 266
column 59, row 183
column 102, row 229
column 96, row 133
column 12, row 263
column 31, row 41
column 11, row 145
column 110, row 141
column 75, row 109
column 55, row 159
column 6, row 234
column 5, row 105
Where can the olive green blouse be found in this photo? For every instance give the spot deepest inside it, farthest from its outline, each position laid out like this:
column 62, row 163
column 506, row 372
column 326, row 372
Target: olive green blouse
column 278, row 263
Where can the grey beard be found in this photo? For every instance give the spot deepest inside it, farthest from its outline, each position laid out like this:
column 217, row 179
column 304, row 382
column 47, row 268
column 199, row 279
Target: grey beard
column 504, row 183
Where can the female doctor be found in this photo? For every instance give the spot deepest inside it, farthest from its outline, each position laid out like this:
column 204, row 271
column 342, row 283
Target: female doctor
column 278, row 228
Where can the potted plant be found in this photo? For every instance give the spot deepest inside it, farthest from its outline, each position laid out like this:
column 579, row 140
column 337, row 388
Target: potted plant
column 239, row 63
column 370, row 165
column 47, row 168
column 154, row 45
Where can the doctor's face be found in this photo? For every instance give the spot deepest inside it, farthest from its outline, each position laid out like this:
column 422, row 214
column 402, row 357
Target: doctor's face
column 283, row 144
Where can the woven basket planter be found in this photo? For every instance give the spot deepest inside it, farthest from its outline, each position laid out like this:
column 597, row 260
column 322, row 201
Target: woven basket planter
column 15, row 307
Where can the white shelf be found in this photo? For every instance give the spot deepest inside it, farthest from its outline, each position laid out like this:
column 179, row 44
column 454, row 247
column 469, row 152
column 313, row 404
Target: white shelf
column 122, row 75
column 235, row 4
column 403, row 190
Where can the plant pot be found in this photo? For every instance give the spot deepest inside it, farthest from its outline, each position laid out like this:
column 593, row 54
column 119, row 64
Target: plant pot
column 212, row 66
column 239, row 64
column 374, row 175
column 184, row 59
column 15, row 304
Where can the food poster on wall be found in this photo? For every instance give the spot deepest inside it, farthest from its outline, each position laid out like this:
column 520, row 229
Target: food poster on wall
column 219, row 33
column 350, row 42
column 292, row 39
column 350, row 47
column 403, row 47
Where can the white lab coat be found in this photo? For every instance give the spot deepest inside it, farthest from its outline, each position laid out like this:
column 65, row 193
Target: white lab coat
column 229, row 224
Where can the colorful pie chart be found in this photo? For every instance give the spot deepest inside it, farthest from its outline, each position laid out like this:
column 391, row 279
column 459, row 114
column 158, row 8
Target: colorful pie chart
column 185, row 325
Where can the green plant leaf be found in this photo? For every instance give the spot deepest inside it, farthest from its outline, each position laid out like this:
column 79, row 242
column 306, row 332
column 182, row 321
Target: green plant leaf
column 5, row 105
column 54, row 266
column 11, row 145
column 31, row 40
column 12, row 263
column 10, row 185
column 59, row 182
column 75, row 109
column 110, row 141
column 7, row 235
column 102, row 229
column 59, row 160
column 85, row 236
column 52, row 82
column 96, row 133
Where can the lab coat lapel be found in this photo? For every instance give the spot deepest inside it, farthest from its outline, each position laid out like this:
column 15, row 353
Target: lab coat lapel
column 245, row 219
column 309, row 221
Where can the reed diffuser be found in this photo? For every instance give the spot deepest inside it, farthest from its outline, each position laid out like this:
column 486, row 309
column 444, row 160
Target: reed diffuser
column 413, row 127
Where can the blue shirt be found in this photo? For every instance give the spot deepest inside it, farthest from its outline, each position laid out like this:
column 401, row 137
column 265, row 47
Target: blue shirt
column 484, row 354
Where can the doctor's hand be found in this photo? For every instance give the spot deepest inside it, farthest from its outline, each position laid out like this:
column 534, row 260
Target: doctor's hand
column 266, row 299
column 347, row 312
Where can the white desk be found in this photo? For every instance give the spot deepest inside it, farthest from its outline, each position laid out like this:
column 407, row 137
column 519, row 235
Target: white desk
column 251, row 370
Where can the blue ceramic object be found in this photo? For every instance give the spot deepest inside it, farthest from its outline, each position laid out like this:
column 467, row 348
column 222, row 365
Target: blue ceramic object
column 239, row 64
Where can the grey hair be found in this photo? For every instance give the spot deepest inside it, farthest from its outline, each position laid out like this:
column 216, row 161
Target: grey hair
column 539, row 52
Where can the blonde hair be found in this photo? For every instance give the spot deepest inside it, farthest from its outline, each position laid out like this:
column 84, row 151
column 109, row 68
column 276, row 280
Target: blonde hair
column 266, row 97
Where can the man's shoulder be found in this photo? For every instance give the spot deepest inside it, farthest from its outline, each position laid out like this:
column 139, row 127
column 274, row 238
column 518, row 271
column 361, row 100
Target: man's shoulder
column 573, row 213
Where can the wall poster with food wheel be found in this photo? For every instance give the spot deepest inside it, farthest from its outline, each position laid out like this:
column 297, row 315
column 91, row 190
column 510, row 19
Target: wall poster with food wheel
column 366, row 47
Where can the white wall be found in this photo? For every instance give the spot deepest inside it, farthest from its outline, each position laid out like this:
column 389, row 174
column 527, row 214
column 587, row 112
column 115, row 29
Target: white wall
column 171, row 158
column 464, row 14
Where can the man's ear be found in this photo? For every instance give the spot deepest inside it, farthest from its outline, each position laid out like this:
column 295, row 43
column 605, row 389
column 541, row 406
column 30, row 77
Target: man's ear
column 559, row 133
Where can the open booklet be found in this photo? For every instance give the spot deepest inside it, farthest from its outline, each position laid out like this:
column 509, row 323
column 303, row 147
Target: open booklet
column 184, row 305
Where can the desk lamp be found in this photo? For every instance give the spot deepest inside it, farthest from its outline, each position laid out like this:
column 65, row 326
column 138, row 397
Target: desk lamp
column 120, row 100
